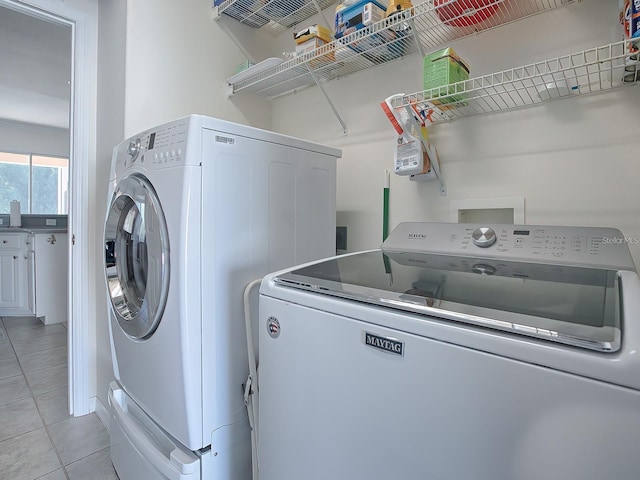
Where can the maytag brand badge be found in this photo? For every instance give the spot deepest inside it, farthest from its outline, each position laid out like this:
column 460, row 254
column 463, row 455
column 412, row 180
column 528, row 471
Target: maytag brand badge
column 273, row 327
column 386, row 344
column 227, row 140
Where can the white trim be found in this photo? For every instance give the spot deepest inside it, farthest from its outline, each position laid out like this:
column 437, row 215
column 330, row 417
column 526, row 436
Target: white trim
column 81, row 16
column 78, row 198
column 514, row 203
column 102, row 412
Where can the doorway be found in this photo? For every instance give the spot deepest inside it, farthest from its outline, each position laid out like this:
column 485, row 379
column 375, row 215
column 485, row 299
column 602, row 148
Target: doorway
column 78, row 21
column 35, row 109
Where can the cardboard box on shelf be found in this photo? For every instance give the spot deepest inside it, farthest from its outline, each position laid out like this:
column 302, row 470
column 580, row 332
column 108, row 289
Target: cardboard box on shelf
column 442, row 68
column 311, row 32
column 310, row 46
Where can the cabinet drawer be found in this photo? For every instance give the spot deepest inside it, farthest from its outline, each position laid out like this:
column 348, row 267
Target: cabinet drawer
column 12, row 241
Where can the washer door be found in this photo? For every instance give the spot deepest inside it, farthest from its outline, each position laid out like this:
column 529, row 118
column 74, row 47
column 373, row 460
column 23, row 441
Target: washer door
column 137, row 257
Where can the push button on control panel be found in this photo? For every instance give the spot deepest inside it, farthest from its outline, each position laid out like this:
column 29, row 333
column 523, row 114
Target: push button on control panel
column 483, row 237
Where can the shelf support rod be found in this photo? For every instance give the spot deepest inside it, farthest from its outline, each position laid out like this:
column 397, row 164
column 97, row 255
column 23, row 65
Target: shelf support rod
column 328, row 99
column 223, row 26
column 317, row 5
column 416, row 37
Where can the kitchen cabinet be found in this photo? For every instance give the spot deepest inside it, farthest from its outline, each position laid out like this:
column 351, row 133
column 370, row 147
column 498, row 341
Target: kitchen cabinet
column 14, row 298
column 33, row 275
column 48, row 271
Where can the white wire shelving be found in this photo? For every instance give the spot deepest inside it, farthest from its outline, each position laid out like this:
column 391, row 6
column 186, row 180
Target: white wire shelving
column 273, row 16
column 421, row 29
column 594, row 70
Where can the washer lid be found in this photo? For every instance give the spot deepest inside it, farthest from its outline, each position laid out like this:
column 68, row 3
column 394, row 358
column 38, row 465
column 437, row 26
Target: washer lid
column 572, row 305
column 136, row 257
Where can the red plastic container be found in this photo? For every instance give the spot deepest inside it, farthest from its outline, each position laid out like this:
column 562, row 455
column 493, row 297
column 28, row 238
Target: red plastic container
column 463, row 13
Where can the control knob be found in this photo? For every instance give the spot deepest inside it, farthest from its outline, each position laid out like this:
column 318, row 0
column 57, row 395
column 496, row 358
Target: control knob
column 484, row 237
column 482, row 269
column 134, row 149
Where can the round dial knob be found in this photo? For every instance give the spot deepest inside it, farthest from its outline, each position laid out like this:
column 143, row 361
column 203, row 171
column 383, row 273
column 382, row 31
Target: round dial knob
column 482, row 269
column 134, row 149
column 484, row 237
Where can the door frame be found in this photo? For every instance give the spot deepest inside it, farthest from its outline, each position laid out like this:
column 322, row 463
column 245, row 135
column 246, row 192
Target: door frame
column 82, row 17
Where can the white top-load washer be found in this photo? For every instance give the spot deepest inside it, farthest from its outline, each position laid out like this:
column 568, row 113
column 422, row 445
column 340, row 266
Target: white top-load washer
column 455, row 351
column 198, row 209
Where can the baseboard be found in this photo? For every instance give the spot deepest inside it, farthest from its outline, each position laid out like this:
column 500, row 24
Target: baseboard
column 101, row 411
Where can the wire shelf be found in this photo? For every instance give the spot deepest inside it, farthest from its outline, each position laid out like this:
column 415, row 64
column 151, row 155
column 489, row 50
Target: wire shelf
column 274, row 16
column 598, row 69
column 422, row 29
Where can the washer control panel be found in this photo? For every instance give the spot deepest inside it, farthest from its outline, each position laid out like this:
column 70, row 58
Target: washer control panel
column 160, row 147
column 585, row 246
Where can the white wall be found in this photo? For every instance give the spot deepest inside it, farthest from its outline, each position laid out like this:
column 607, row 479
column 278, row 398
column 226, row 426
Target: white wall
column 573, row 160
column 19, row 137
column 178, row 60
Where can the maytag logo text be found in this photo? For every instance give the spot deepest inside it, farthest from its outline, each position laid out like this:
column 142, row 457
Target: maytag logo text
column 386, row 344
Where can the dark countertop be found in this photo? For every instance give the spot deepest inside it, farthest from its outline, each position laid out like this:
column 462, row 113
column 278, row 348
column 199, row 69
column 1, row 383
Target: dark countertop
column 33, row 230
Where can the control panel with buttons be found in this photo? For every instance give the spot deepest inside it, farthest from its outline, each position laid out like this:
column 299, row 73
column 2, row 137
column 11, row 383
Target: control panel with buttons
column 580, row 246
column 161, row 147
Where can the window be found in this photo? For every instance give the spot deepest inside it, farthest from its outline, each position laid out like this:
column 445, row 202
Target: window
column 39, row 182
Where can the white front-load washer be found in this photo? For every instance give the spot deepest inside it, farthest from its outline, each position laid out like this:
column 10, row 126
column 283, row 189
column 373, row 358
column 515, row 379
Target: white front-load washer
column 198, row 209
column 455, row 352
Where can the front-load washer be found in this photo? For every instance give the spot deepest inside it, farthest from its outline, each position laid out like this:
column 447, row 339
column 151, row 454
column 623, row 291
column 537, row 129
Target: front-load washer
column 455, row 352
column 198, row 209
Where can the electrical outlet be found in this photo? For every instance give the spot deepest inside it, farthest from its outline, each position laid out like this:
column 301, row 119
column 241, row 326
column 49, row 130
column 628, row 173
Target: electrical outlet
column 50, row 222
column 341, row 238
column 1, row 221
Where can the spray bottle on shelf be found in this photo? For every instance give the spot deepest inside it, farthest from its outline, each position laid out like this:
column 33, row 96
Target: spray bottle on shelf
column 411, row 154
column 630, row 21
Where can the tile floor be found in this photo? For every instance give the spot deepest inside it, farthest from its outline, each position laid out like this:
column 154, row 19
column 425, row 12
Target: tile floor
column 38, row 438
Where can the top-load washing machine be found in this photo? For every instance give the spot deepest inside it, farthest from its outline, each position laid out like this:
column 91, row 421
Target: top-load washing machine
column 198, row 209
column 455, row 352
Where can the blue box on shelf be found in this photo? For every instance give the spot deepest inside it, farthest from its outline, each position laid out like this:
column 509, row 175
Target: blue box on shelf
column 379, row 47
column 357, row 16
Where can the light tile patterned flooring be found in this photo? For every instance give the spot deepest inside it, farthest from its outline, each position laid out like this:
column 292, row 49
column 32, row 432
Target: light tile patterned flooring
column 38, row 438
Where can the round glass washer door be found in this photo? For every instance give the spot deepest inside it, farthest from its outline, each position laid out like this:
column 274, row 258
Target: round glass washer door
column 137, row 257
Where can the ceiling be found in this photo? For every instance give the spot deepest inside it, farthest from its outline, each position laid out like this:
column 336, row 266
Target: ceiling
column 35, row 78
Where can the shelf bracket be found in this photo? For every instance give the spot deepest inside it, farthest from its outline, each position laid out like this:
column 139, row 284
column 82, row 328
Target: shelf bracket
column 222, row 22
column 345, row 132
column 215, row 11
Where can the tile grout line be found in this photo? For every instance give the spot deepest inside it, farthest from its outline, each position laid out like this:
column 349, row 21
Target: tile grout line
column 44, row 425
column 46, row 428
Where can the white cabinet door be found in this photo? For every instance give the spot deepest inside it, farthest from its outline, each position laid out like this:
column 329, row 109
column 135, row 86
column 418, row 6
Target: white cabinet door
column 13, row 274
column 9, row 279
column 51, row 277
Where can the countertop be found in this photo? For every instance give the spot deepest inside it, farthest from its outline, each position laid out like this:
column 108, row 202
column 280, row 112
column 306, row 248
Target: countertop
column 32, row 230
